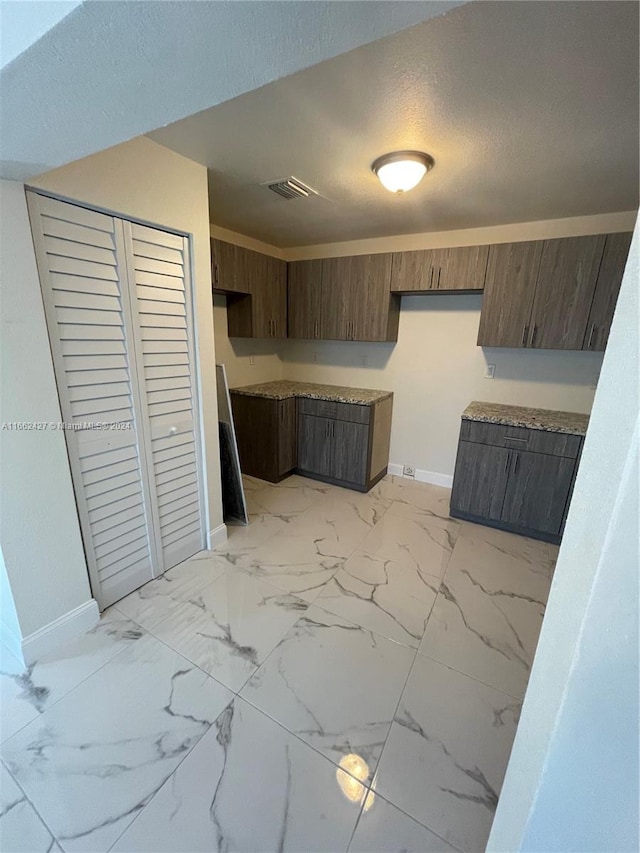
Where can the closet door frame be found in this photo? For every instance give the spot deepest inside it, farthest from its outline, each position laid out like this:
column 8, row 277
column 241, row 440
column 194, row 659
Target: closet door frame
column 125, row 267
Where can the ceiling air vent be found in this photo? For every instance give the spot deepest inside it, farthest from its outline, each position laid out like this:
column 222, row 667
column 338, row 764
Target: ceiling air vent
column 290, row 188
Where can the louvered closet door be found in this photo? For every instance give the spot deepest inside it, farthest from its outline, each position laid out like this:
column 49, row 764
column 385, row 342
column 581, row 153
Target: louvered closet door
column 159, row 262
column 81, row 261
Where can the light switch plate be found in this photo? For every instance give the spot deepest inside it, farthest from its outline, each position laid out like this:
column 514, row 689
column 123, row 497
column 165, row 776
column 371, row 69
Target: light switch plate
column 490, row 371
column 252, row 360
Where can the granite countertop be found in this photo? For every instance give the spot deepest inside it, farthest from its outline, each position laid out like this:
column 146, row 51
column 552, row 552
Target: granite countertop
column 283, row 389
column 547, row 420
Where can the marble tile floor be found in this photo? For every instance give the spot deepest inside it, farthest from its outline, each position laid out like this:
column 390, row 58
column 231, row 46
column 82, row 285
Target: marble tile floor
column 344, row 674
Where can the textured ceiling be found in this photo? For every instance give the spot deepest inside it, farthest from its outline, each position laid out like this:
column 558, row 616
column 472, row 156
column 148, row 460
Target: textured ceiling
column 529, row 108
column 22, row 24
column 110, row 71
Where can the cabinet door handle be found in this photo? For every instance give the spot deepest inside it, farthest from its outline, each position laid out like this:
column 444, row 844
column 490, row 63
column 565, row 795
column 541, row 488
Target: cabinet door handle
column 534, row 332
column 517, row 464
column 431, row 280
column 333, row 429
column 438, row 282
column 215, row 274
column 591, row 335
column 525, row 333
column 315, row 328
column 507, row 461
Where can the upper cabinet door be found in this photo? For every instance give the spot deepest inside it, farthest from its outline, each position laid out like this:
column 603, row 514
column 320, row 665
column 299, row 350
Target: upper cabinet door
column 614, row 260
column 564, row 292
column 275, row 286
column 465, row 269
column 418, row 272
column 370, row 298
column 509, row 289
column 305, row 299
column 337, row 283
column 226, row 262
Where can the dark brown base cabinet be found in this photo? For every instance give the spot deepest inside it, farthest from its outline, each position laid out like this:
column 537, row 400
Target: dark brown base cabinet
column 514, row 478
column 342, row 443
column 266, row 436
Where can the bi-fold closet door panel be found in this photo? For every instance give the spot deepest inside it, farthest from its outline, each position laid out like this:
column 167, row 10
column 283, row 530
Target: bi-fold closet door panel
column 159, row 271
column 108, row 342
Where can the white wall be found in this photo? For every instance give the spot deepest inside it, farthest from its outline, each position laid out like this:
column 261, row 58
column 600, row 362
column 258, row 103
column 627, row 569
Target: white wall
column 39, row 529
column 143, row 180
column 247, row 361
column 237, row 354
column 572, row 780
column 435, row 369
column 10, row 632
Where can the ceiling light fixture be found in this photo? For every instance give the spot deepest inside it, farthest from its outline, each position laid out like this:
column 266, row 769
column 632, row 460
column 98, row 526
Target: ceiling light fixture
column 401, row 171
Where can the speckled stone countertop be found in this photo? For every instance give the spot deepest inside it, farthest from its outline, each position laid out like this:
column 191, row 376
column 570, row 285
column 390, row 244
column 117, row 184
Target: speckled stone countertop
column 547, row 420
column 284, row 388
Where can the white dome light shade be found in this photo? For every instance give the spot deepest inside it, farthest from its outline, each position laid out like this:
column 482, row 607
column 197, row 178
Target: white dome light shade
column 401, row 171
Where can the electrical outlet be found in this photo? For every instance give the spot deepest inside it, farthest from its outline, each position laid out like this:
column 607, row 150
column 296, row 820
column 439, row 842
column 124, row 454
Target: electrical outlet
column 364, row 359
column 252, row 360
column 490, row 371
column 409, row 471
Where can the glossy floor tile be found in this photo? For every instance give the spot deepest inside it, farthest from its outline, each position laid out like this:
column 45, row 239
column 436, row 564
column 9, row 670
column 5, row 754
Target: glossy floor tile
column 249, row 785
column 293, row 563
column 334, row 684
column 21, row 830
column 344, row 673
column 91, row 762
column 392, row 598
column 339, row 522
column 157, row 599
column 382, row 828
column 488, row 614
column 447, row 753
column 25, row 694
column 413, row 538
column 230, row 626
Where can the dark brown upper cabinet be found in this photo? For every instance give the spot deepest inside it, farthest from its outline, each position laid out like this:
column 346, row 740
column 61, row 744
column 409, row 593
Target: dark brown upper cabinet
column 343, row 299
column 564, row 292
column 552, row 294
column 614, row 259
column 227, row 268
column 305, row 299
column 418, row 272
column 508, row 294
column 357, row 303
column 443, row 270
column 256, row 287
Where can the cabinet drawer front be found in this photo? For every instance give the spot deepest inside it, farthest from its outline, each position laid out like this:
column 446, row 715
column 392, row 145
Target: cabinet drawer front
column 520, row 438
column 338, row 411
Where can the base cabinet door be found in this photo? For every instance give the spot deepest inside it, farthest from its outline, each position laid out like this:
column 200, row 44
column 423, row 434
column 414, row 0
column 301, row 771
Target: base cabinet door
column 287, row 435
column 349, row 446
column 538, row 490
column 480, row 480
column 314, row 445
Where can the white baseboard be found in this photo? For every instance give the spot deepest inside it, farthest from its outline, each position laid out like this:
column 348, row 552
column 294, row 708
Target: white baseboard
column 11, row 642
column 217, row 536
column 435, row 478
column 60, row 631
column 422, row 476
